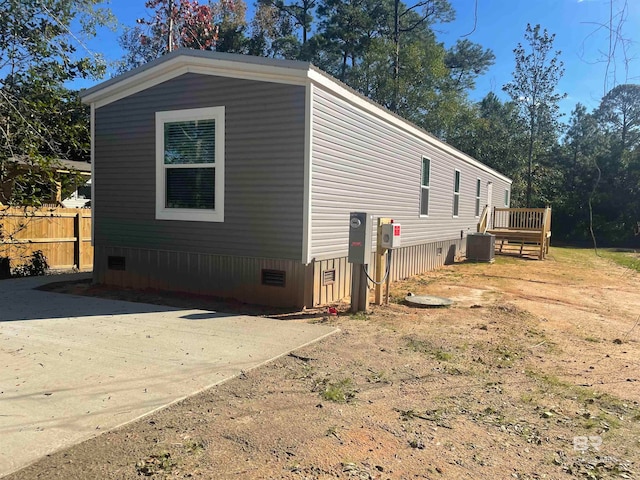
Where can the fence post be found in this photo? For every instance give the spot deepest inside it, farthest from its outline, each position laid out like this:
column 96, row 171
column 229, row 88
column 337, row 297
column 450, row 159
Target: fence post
column 77, row 246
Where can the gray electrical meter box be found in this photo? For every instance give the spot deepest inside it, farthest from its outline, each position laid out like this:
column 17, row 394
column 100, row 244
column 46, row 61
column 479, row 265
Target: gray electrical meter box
column 359, row 238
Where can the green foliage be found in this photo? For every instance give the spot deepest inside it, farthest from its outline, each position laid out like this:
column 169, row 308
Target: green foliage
column 41, row 120
column 342, row 391
column 36, row 265
column 427, row 348
column 629, row 260
column 465, row 61
column 533, row 89
column 173, row 24
column 619, row 113
column 155, row 464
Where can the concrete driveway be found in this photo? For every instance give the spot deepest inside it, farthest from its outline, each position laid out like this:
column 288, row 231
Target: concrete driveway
column 72, row 367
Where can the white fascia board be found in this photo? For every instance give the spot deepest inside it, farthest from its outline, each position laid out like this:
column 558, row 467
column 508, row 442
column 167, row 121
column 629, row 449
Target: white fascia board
column 398, row 122
column 186, row 64
column 92, row 130
column 308, row 165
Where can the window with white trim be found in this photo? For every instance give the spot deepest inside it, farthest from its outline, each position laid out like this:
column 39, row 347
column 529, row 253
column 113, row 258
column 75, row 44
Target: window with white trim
column 456, row 193
column 425, row 187
column 190, row 164
column 478, row 197
column 506, row 198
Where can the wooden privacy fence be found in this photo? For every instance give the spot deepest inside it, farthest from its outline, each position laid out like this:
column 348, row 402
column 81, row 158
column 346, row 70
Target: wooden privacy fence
column 62, row 234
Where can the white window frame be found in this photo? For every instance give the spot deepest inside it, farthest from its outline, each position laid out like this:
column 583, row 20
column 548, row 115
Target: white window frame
column 456, row 173
column 478, row 189
column 191, row 214
column 425, row 189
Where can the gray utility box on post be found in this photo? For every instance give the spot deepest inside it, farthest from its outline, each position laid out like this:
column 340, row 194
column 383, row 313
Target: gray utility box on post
column 481, row 247
column 359, row 238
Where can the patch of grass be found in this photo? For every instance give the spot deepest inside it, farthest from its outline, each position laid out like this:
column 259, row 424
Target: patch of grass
column 417, row 443
column 592, row 339
column 332, row 432
column 161, row 462
column 194, row 446
column 342, row 391
column 629, row 260
column 359, row 316
column 423, row 346
column 611, row 408
column 533, row 332
column 505, row 356
column 378, row 377
column 547, row 379
column 438, row 417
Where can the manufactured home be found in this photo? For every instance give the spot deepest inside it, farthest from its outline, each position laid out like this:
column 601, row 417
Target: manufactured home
column 234, row 176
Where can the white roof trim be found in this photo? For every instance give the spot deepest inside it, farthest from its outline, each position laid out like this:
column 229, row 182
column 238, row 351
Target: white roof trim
column 258, row 69
column 181, row 64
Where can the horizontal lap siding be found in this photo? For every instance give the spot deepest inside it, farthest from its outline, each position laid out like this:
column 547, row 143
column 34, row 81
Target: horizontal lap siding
column 264, row 178
column 361, row 163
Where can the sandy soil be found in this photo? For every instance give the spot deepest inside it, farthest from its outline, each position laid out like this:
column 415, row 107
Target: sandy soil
column 533, row 373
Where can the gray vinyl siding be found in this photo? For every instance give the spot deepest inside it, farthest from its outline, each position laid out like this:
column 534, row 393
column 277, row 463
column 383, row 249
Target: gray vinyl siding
column 264, row 178
column 361, row 163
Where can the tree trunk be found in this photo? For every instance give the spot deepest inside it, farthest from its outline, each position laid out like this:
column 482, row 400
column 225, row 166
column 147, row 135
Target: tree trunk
column 396, row 59
column 343, row 70
column 170, row 26
column 530, row 161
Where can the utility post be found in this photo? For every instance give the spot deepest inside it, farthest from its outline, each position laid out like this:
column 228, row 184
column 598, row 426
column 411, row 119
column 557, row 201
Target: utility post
column 381, row 263
column 359, row 256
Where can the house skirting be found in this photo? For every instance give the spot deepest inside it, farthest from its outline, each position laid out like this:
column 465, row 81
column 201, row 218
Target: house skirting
column 405, row 262
column 273, row 282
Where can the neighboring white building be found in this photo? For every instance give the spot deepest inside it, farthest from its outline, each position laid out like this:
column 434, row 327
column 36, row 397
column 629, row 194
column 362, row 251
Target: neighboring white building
column 80, row 198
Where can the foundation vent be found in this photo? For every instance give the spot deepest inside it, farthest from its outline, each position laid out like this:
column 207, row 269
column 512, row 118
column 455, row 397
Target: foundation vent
column 116, row 263
column 274, row 278
column 328, row 277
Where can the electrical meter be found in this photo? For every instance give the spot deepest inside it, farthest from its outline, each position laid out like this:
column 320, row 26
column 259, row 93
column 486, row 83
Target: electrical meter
column 359, row 238
column 391, row 235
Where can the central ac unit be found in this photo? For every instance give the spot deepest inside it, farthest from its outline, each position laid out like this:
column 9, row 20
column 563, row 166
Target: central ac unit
column 481, row 247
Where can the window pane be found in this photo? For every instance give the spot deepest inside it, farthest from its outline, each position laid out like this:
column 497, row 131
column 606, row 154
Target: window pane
column 506, row 198
column 457, row 182
column 477, row 207
column 456, row 202
column 191, row 188
column 424, row 202
column 189, row 142
column 478, row 188
column 426, row 171
column 84, row 192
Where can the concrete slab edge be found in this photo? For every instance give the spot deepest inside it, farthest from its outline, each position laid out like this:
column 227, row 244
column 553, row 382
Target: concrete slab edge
column 178, row 400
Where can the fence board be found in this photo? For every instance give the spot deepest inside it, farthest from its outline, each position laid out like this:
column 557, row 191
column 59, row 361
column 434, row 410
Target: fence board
column 63, row 235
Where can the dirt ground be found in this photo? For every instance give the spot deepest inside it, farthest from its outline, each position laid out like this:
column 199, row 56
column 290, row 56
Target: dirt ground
column 533, row 373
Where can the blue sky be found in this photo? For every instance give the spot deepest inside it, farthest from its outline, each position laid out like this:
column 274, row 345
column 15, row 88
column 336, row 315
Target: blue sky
column 500, row 26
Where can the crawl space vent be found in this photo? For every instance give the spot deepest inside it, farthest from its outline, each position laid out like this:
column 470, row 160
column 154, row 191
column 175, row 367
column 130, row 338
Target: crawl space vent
column 273, row 278
column 328, row 277
column 116, row 263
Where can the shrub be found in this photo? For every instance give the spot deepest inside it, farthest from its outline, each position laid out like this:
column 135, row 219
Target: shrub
column 36, row 265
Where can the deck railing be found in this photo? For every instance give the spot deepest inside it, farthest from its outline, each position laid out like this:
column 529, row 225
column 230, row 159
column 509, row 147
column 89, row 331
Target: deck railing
column 519, row 218
column 523, row 227
column 484, row 220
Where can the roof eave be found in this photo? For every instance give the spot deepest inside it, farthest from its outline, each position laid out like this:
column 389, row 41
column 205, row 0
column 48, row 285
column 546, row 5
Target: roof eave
column 184, row 61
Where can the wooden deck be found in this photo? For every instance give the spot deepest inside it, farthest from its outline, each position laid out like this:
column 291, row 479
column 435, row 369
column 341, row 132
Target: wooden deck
column 521, row 231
